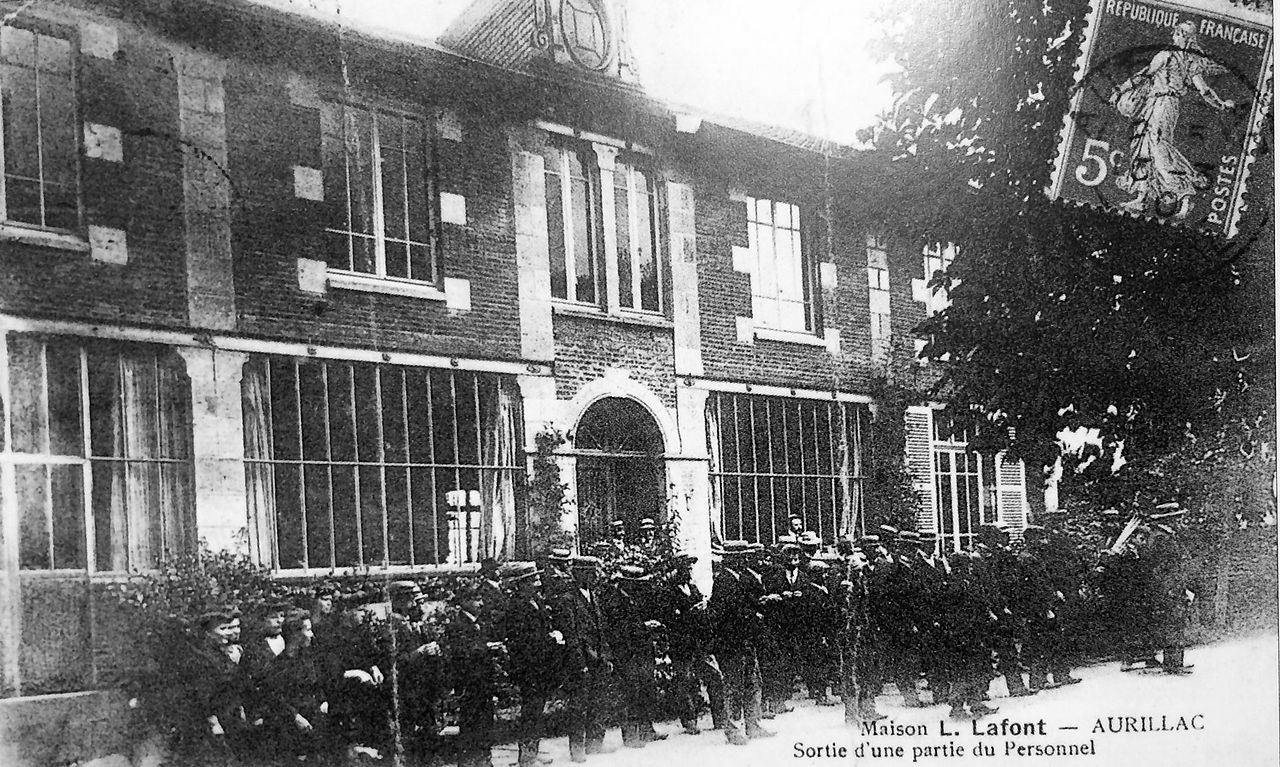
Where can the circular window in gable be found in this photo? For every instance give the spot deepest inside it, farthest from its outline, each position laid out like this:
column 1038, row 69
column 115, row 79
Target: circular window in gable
column 585, row 28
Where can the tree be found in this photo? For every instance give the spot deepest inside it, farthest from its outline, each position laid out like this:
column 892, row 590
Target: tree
column 1067, row 317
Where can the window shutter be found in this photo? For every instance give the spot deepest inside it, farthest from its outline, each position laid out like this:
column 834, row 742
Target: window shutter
column 918, row 422
column 1011, row 494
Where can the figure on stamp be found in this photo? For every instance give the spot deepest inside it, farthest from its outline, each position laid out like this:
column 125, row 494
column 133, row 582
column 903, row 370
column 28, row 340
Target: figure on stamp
column 1159, row 176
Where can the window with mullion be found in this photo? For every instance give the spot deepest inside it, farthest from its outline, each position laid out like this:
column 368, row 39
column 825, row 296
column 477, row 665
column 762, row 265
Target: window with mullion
column 364, row 465
column 781, row 286
column 41, row 148
column 102, row 442
column 573, row 229
column 378, row 192
column 638, row 241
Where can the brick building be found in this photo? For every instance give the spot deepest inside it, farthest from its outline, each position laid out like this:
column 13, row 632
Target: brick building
column 311, row 292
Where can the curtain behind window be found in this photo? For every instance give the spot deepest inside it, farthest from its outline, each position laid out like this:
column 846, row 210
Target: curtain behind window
column 716, row 465
column 260, row 483
column 497, row 488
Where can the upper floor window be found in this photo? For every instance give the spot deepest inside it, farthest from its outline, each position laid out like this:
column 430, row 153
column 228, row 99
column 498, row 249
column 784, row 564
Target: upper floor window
column 38, row 122
column 937, row 258
column 635, row 203
column 781, row 287
column 573, row 231
column 378, row 188
column 878, row 299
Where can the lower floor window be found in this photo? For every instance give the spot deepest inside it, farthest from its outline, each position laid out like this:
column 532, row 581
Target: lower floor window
column 966, row 493
column 102, row 453
column 774, row 457
column 364, row 465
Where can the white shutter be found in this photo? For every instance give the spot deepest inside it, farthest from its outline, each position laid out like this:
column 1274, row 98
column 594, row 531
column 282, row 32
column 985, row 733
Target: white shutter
column 918, row 422
column 1011, row 494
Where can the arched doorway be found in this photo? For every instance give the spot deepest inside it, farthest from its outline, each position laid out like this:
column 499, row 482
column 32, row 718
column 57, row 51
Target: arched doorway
column 621, row 473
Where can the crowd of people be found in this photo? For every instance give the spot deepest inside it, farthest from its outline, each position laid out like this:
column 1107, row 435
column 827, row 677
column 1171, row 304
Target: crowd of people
column 624, row 636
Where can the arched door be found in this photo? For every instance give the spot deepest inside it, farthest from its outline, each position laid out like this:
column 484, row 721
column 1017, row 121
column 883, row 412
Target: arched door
column 621, row 473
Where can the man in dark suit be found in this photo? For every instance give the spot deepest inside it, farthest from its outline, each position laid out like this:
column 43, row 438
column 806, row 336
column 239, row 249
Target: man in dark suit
column 628, row 609
column 737, row 625
column 471, row 661
column 536, row 652
column 685, row 613
column 786, row 586
column 417, row 668
column 589, row 661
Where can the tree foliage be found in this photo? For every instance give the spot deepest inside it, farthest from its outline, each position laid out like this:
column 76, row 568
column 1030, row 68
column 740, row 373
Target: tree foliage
column 1061, row 316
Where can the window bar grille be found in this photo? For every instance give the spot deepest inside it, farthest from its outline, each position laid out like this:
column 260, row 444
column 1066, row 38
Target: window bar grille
column 302, row 479
column 480, row 467
column 355, row 473
column 457, row 456
column 832, row 446
column 737, row 459
column 755, row 463
column 773, row 481
column 786, row 468
column 804, row 483
column 817, row 464
column 328, row 456
column 382, row 465
column 408, row 471
column 435, row 485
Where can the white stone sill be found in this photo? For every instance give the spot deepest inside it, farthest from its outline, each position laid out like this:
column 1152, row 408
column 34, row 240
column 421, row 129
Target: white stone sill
column 789, row 337
column 621, row 318
column 46, row 238
column 367, row 283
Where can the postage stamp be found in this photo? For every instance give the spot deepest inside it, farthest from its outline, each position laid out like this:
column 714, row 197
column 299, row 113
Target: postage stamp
column 1170, row 98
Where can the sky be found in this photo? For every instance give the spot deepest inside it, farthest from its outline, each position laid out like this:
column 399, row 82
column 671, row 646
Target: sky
column 799, row 64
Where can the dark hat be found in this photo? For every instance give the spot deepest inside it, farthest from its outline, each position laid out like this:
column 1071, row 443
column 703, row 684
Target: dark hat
column 586, row 563
column 514, row 571
column 271, row 608
column 326, row 588
column 560, row 554
column 790, row 548
column 402, row 589
column 294, row 619
column 908, row 536
column 602, row 549
column 218, row 616
column 647, row 524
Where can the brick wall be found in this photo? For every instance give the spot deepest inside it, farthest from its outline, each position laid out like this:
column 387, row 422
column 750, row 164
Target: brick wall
column 268, row 135
column 725, row 294
column 135, row 92
column 586, row 347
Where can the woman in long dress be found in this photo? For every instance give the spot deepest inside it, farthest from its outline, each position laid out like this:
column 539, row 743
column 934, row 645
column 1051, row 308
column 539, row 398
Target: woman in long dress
column 1159, row 176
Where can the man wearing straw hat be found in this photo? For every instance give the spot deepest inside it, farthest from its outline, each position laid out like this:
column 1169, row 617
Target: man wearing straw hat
column 536, row 652
column 737, row 626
